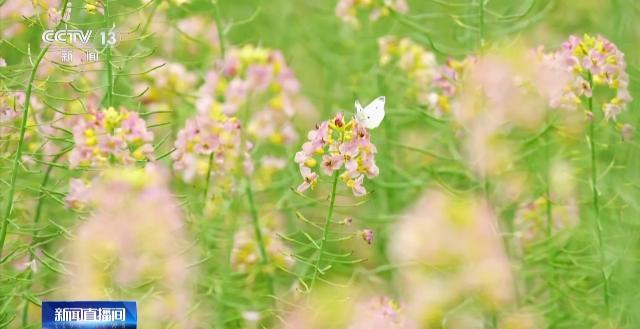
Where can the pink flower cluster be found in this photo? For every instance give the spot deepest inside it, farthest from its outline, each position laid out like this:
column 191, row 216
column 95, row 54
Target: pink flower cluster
column 260, row 76
column 245, row 254
column 110, row 136
column 13, row 14
column 347, row 10
column 594, row 61
column 167, row 82
column 204, row 136
column 338, row 144
column 200, row 28
column 475, row 267
column 10, row 105
column 381, row 313
column 432, row 85
column 135, row 236
column 56, row 16
column 531, row 219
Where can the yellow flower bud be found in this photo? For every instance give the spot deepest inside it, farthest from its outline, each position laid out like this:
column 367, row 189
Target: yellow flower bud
column 276, row 103
column 311, row 162
column 138, row 155
column 90, row 8
column 221, row 86
column 276, row 138
column 276, row 87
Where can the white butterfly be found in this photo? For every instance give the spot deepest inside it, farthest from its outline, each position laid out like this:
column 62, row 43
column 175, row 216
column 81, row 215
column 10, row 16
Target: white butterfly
column 371, row 115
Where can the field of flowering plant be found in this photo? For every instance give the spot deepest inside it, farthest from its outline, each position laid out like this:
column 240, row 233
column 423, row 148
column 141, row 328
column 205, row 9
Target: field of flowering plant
column 354, row 164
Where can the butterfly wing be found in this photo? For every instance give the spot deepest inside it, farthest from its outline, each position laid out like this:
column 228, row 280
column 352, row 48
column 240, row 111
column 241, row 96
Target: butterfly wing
column 359, row 109
column 373, row 113
column 358, row 106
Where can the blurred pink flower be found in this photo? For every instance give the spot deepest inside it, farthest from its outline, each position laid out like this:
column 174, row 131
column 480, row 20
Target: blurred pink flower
column 380, row 313
column 10, row 105
column 347, row 10
column 432, row 85
column 260, row 76
column 78, row 196
column 198, row 27
column 626, row 132
column 54, row 17
column 531, row 219
column 133, row 243
column 245, row 254
column 435, row 273
column 167, row 82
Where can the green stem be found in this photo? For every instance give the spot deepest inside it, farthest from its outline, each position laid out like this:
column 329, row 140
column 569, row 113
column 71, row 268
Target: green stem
column 107, row 20
column 219, row 26
column 596, row 205
column 142, row 32
column 258, row 232
column 16, row 159
column 325, row 231
column 547, row 141
column 36, row 219
column 256, row 225
column 551, row 274
column 222, row 54
column 208, row 180
column 481, row 27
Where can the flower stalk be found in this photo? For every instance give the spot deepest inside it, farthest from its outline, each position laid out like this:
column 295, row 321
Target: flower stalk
column 34, row 239
column 325, row 230
column 107, row 22
column 222, row 54
column 547, row 156
column 595, row 199
column 16, row 160
column 264, row 258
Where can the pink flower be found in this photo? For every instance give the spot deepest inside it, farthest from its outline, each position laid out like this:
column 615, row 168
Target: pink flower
column 11, row 106
column 288, row 81
column 380, row 313
column 367, row 236
column 78, row 195
column 356, row 185
column 54, row 17
column 259, row 76
column 347, row 10
column 245, row 254
column 331, row 163
column 432, row 85
column 230, row 66
column 310, row 179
